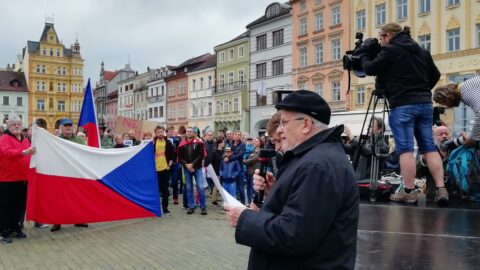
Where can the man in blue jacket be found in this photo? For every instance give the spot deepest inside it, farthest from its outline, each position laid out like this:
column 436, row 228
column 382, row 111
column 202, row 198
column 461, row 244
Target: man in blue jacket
column 310, row 217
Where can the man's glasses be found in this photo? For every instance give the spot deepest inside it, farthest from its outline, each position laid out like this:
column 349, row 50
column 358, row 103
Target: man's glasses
column 283, row 123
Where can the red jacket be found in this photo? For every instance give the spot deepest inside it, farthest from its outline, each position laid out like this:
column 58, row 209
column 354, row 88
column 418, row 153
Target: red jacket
column 13, row 165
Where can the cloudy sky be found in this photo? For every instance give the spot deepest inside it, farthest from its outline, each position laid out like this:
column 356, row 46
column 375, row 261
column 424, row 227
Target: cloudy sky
column 152, row 33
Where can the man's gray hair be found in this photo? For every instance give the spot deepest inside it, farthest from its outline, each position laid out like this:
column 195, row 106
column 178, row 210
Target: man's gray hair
column 317, row 125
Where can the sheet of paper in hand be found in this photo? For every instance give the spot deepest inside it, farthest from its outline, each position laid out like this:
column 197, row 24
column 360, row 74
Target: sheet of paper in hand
column 227, row 198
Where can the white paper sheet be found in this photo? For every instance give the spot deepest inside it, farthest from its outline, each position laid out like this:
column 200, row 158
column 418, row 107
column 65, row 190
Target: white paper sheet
column 227, row 198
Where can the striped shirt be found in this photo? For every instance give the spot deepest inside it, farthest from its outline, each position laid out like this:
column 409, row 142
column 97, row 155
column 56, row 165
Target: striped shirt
column 470, row 92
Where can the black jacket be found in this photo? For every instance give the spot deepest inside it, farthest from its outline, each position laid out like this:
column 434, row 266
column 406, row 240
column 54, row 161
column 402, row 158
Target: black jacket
column 310, row 218
column 407, row 71
column 210, row 147
column 191, row 153
column 169, row 149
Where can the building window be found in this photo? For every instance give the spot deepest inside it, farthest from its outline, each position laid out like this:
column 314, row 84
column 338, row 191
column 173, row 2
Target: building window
column 149, row 113
column 40, row 105
column 38, row 69
column 453, row 2
column 277, row 37
column 201, row 83
column 261, row 100
column 402, row 8
column 209, row 81
column 58, row 52
column 155, row 112
column 193, row 84
column 240, row 51
column 6, row 100
column 61, row 106
column 230, row 54
column 44, row 51
column 225, row 106
column 319, row 89
column 218, row 107
column 261, row 70
column 319, row 21
column 453, row 39
column 64, row 71
column 336, row 19
column 230, row 78
column 303, row 26
column 380, row 14
column 160, row 111
column 424, row 6
column 277, row 66
column 361, row 19
column 235, row 105
column 303, row 57
column 424, row 41
column 210, row 111
column 19, row 101
column 44, row 69
column 336, row 54
column 222, row 79
column 303, row 5
column 5, row 118
column 51, row 51
column 182, row 89
column 336, row 91
column 222, row 56
column 261, row 42
column 241, row 76
column 360, row 95
column 318, row 2
column 319, row 53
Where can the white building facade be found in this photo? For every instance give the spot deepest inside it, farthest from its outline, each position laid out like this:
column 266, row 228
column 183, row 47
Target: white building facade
column 270, row 63
column 13, row 97
column 156, row 96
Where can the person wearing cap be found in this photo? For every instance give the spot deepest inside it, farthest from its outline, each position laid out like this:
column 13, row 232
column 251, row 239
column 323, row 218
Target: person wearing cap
column 66, row 133
column 15, row 152
column 229, row 173
column 408, row 74
column 309, row 219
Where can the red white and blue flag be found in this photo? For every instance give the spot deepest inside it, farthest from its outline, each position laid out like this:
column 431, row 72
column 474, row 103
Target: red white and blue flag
column 88, row 118
column 71, row 183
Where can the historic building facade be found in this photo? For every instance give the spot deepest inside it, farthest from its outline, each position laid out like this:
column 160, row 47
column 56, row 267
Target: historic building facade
column 201, row 86
column 13, row 96
column 321, row 35
column 270, row 63
column 230, row 100
column 54, row 76
column 156, row 96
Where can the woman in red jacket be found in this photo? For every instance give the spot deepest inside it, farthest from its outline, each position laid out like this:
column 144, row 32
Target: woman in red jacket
column 15, row 151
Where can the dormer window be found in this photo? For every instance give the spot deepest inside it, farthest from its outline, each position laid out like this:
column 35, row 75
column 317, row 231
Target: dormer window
column 272, row 10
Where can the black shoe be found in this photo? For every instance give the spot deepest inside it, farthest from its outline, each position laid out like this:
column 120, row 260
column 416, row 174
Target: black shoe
column 6, row 240
column 167, row 213
column 215, row 203
column 19, row 234
column 56, row 227
column 83, row 225
column 204, row 211
column 190, row 211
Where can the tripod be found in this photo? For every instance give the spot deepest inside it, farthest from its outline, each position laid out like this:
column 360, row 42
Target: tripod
column 375, row 142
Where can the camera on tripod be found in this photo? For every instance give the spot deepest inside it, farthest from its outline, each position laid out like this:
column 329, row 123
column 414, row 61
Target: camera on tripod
column 351, row 60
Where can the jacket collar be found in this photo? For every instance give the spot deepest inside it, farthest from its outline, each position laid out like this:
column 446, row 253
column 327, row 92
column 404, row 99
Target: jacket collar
column 328, row 135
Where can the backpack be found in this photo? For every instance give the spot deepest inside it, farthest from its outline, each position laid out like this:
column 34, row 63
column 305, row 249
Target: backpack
column 463, row 168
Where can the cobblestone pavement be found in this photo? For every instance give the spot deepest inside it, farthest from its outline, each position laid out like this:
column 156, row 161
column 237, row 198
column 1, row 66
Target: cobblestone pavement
column 179, row 241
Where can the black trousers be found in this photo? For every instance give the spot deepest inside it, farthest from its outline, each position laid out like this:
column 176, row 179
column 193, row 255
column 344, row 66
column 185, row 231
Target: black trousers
column 13, row 198
column 163, row 178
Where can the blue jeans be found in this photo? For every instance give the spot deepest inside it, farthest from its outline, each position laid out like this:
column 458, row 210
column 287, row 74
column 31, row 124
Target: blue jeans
column 241, row 186
column 189, row 187
column 230, row 188
column 411, row 121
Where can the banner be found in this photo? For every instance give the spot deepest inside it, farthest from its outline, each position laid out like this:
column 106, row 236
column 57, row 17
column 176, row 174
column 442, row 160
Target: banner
column 124, row 124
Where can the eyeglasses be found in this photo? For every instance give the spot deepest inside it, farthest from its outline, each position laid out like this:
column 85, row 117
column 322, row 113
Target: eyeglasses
column 283, row 123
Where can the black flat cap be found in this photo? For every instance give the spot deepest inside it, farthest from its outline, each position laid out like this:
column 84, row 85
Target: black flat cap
column 306, row 102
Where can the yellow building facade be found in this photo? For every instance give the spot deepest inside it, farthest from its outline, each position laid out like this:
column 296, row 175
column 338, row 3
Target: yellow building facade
column 449, row 29
column 55, row 78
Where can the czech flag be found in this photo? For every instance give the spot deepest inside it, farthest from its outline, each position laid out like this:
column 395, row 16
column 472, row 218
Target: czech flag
column 88, row 118
column 71, row 183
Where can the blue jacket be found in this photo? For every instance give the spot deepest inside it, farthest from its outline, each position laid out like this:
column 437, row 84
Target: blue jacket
column 230, row 171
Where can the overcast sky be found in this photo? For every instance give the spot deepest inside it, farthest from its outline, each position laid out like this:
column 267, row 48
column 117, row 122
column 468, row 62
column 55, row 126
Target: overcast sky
column 152, row 33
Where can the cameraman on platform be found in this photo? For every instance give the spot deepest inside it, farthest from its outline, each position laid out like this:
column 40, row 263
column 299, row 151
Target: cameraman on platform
column 407, row 73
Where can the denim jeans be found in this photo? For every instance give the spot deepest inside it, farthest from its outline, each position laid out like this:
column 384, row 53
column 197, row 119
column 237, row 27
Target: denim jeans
column 411, row 121
column 241, row 187
column 189, row 187
column 230, row 188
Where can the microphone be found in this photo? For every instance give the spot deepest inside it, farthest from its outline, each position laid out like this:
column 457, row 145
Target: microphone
column 264, row 158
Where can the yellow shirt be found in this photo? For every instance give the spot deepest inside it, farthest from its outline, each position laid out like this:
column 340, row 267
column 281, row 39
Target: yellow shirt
column 160, row 159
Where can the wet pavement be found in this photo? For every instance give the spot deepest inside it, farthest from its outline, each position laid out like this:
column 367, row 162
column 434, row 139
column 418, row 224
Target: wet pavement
column 395, row 236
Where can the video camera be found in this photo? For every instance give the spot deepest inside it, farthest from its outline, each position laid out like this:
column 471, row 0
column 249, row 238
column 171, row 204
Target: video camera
column 351, row 60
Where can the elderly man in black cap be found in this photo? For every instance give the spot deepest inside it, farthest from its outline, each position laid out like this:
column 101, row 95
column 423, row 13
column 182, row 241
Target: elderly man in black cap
column 310, row 217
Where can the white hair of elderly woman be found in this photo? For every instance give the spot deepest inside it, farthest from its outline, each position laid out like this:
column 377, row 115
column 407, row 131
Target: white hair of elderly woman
column 13, row 120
